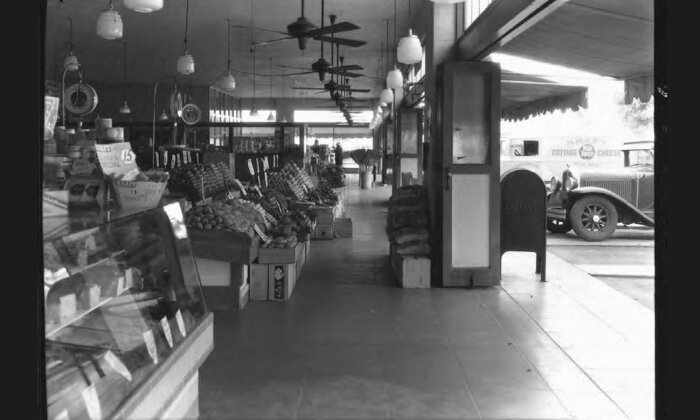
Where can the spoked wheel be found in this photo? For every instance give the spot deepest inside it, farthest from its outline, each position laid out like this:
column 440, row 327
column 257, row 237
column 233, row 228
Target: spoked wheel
column 594, row 218
column 558, row 226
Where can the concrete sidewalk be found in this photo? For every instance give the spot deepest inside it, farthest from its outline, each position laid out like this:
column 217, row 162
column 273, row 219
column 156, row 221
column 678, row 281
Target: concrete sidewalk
column 607, row 335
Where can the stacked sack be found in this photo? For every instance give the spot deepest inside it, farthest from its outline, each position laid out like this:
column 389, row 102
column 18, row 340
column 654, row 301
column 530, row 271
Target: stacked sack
column 407, row 222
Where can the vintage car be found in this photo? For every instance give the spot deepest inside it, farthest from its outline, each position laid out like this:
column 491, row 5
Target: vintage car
column 593, row 202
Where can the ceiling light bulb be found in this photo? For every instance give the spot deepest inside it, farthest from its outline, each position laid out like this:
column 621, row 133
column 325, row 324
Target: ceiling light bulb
column 227, row 83
column 109, row 24
column 163, row 116
column 394, row 79
column 185, row 64
column 387, row 96
column 270, row 117
column 144, row 6
column 409, row 51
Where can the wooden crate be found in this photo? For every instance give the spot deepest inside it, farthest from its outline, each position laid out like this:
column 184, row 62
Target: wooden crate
column 412, row 271
column 300, row 252
column 225, row 285
column 324, row 215
column 342, row 228
column 221, row 245
column 323, row 232
column 279, row 255
column 259, row 281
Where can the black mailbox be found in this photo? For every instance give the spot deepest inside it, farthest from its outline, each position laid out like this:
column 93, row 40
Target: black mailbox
column 524, row 215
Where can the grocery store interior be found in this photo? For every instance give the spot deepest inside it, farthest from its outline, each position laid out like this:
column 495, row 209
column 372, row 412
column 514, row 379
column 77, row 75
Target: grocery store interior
column 307, row 209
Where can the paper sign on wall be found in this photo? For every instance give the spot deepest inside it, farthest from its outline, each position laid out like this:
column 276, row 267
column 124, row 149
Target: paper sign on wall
column 151, row 345
column 116, row 364
column 92, row 402
column 180, row 323
column 117, row 160
column 120, row 285
column 128, row 278
column 166, row 329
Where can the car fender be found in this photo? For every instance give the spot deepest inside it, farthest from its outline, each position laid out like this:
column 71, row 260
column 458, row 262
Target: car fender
column 577, row 193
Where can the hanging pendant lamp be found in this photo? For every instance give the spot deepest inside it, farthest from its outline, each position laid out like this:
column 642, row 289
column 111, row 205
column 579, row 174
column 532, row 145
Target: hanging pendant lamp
column 185, row 63
column 284, row 118
column 271, row 117
column 71, row 61
column 386, row 97
column 227, row 82
column 143, row 6
column 163, row 116
column 394, row 78
column 409, row 50
column 124, row 109
column 109, row 24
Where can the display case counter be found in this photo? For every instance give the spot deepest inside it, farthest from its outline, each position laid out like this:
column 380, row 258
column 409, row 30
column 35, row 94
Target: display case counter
column 126, row 325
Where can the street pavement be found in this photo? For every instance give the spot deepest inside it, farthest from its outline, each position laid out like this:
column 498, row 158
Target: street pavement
column 624, row 261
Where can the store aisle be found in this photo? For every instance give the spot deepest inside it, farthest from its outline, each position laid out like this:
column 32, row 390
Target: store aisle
column 351, row 344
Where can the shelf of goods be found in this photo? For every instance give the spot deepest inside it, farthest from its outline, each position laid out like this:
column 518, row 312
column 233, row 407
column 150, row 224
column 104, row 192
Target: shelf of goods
column 126, row 324
column 407, row 230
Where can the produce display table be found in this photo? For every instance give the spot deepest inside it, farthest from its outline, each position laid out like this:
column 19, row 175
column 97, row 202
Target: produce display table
column 223, row 261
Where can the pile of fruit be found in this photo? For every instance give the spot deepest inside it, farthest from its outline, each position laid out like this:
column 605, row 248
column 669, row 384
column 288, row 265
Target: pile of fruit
column 323, row 196
column 194, row 179
column 268, row 202
column 334, row 175
column 230, row 215
column 290, row 181
column 267, row 219
column 407, row 222
column 282, row 236
column 293, row 227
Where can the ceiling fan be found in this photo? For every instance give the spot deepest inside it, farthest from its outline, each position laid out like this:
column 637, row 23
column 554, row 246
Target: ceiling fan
column 302, row 30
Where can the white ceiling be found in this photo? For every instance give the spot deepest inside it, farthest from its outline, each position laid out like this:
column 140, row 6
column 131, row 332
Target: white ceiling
column 155, row 40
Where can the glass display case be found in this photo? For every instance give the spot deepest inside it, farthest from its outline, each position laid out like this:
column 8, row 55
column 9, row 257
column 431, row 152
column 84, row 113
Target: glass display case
column 122, row 298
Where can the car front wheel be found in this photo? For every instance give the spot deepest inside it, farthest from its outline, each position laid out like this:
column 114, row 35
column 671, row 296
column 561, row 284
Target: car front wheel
column 558, row 226
column 594, row 218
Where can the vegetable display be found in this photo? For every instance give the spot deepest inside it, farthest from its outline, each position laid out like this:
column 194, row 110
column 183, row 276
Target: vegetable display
column 333, row 175
column 407, row 221
column 195, row 178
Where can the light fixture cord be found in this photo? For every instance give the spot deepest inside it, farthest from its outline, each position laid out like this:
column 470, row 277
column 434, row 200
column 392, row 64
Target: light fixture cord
column 187, row 19
column 387, row 45
column 228, row 51
column 111, row 7
column 409, row 15
column 124, row 70
column 70, row 42
column 394, row 29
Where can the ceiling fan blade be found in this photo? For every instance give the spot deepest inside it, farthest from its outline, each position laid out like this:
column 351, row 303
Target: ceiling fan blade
column 293, row 67
column 341, row 41
column 307, row 88
column 258, row 29
column 351, row 99
column 344, row 73
column 348, row 67
column 359, row 90
column 272, row 40
column 335, row 28
column 296, row 74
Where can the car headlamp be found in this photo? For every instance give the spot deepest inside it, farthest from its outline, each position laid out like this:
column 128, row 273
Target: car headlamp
column 570, row 183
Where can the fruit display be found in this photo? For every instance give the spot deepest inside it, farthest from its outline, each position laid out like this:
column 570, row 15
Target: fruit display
column 230, row 215
column 407, row 221
column 195, row 177
column 323, row 196
column 270, row 203
column 333, row 175
column 268, row 220
column 293, row 227
column 282, row 237
column 289, row 182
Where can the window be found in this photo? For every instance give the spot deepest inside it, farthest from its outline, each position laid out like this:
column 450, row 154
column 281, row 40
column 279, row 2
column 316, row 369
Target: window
column 318, row 116
column 472, row 10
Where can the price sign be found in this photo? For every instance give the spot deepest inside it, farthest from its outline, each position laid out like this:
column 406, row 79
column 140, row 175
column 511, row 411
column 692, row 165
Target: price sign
column 116, row 364
column 240, row 186
column 266, row 239
column 128, row 278
column 165, row 159
column 166, row 329
column 180, row 323
column 266, row 163
column 92, row 402
column 196, row 155
column 155, row 152
column 151, row 345
column 179, row 160
column 266, row 184
column 66, row 306
column 120, row 285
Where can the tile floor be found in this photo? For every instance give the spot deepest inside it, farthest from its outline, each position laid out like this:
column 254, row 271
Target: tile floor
column 351, row 344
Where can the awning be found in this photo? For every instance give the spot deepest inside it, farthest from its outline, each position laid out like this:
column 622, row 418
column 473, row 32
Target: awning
column 524, row 96
column 613, row 38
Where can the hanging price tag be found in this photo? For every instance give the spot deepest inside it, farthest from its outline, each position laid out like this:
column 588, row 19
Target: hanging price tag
column 266, row 163
column 266, row 239
column 116, row 364
column 240, row 186
column 266, row 184
column 66, row 306
column 155, row 152
column 250, row 167
column 257, row 190
column 188, row 156
column 92, row 402
column 151, row 345
column 180, row 323
column 165, row 159
column 196, row 156
column 63, row 415
column 166, row 329
column 179, row 160
column 120, row 285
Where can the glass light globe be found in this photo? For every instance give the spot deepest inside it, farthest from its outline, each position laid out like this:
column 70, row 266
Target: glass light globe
column 387, row 96
column 71, row 62
column 409, row 51
column 185, row 64
column 270, row 117
column 227, row 82
column 125, row 108
column 144, row 6
column 110, row 25
column 394, row 79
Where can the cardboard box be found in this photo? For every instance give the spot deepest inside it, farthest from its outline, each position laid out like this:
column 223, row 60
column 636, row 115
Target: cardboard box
column 342, row 228
column 279, row 255
column 55, row 203
column 323, row 232
column 412, row 271
column 86, row 191
column 324, row 215
column 281, row 281
column 138, row 195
